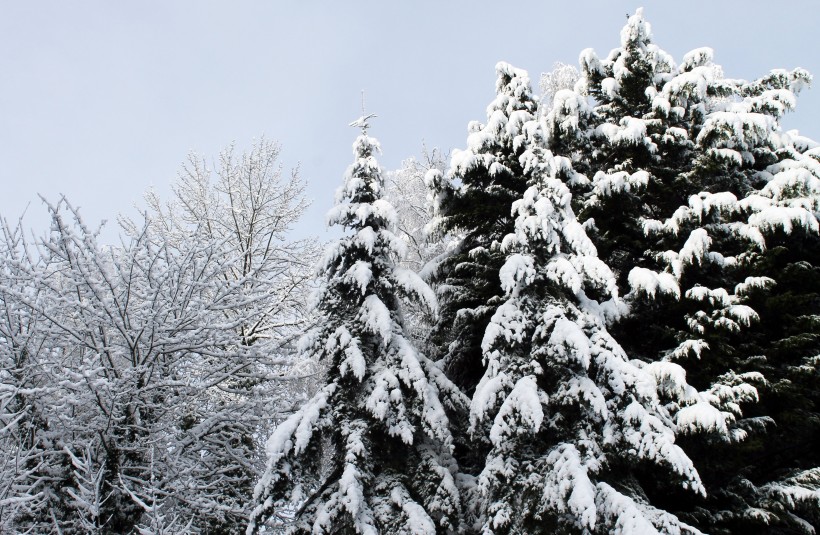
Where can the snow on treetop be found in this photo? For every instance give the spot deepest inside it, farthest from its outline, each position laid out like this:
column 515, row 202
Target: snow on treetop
column 637, row 31
column 697, row 58
column 512, row 81
column 590, row 62
column 502, row 68
column 363, row 176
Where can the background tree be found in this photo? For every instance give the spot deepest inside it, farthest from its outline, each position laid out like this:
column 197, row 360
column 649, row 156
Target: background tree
column 250, row 205
column 407, row 191
column 162, row 363
column 247, row 203
column 32, row 470
column 562, row 76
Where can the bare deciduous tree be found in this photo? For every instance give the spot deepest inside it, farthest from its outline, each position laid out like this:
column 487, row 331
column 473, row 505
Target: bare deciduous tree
column 157, row 367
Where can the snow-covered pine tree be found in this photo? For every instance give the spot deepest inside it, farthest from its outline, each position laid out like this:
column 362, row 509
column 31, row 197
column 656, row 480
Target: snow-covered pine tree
column 370, row 452
column 778, row 483
column 771, row 482
column 637, row 143
column 626, row 148
column 680, row 159
column 569, row 416
column 473, row 205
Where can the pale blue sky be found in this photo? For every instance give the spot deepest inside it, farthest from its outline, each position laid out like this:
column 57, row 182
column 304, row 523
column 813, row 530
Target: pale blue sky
column 100, row 100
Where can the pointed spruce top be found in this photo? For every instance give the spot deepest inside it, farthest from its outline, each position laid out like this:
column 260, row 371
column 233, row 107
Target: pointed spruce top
column 637, row 31
column 359, row 200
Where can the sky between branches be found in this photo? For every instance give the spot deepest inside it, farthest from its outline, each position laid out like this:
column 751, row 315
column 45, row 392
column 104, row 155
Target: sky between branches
column 101, row 100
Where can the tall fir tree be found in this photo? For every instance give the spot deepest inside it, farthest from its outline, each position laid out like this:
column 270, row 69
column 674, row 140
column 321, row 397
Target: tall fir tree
column 371, row 451
column 473, row 205
column 692, row 184
column 770, row 482
column 571, row 419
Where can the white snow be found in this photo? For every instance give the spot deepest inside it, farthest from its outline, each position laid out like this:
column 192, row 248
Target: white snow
column 361, row 274
column 413, row 284
column 517, row 270
column 569, row 343
column 508, row 323
column 696, row 246
column 619, row 182
column 563, row 273
column 376, row 318
column 418, row 521
column 701, row 417
column 520, row 413
column 646, row 281
column 567, row 486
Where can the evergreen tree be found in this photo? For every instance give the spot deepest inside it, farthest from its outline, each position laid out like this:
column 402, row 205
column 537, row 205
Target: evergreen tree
column 638, row 143
column 771, row 481
column 692, row 183
column 570, row 418
column 370, row 452
column 473, row 205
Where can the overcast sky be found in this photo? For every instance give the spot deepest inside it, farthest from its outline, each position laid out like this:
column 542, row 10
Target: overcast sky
column 100, row 100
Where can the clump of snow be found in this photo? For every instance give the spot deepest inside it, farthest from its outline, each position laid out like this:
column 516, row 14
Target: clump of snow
column 521, row 411
column 701, row 417
column 409, row 281
column 648, row 282
column 518, row 269
column 567, row 340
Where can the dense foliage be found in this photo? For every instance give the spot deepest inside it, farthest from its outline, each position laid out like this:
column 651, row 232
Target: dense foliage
column 707, row 212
